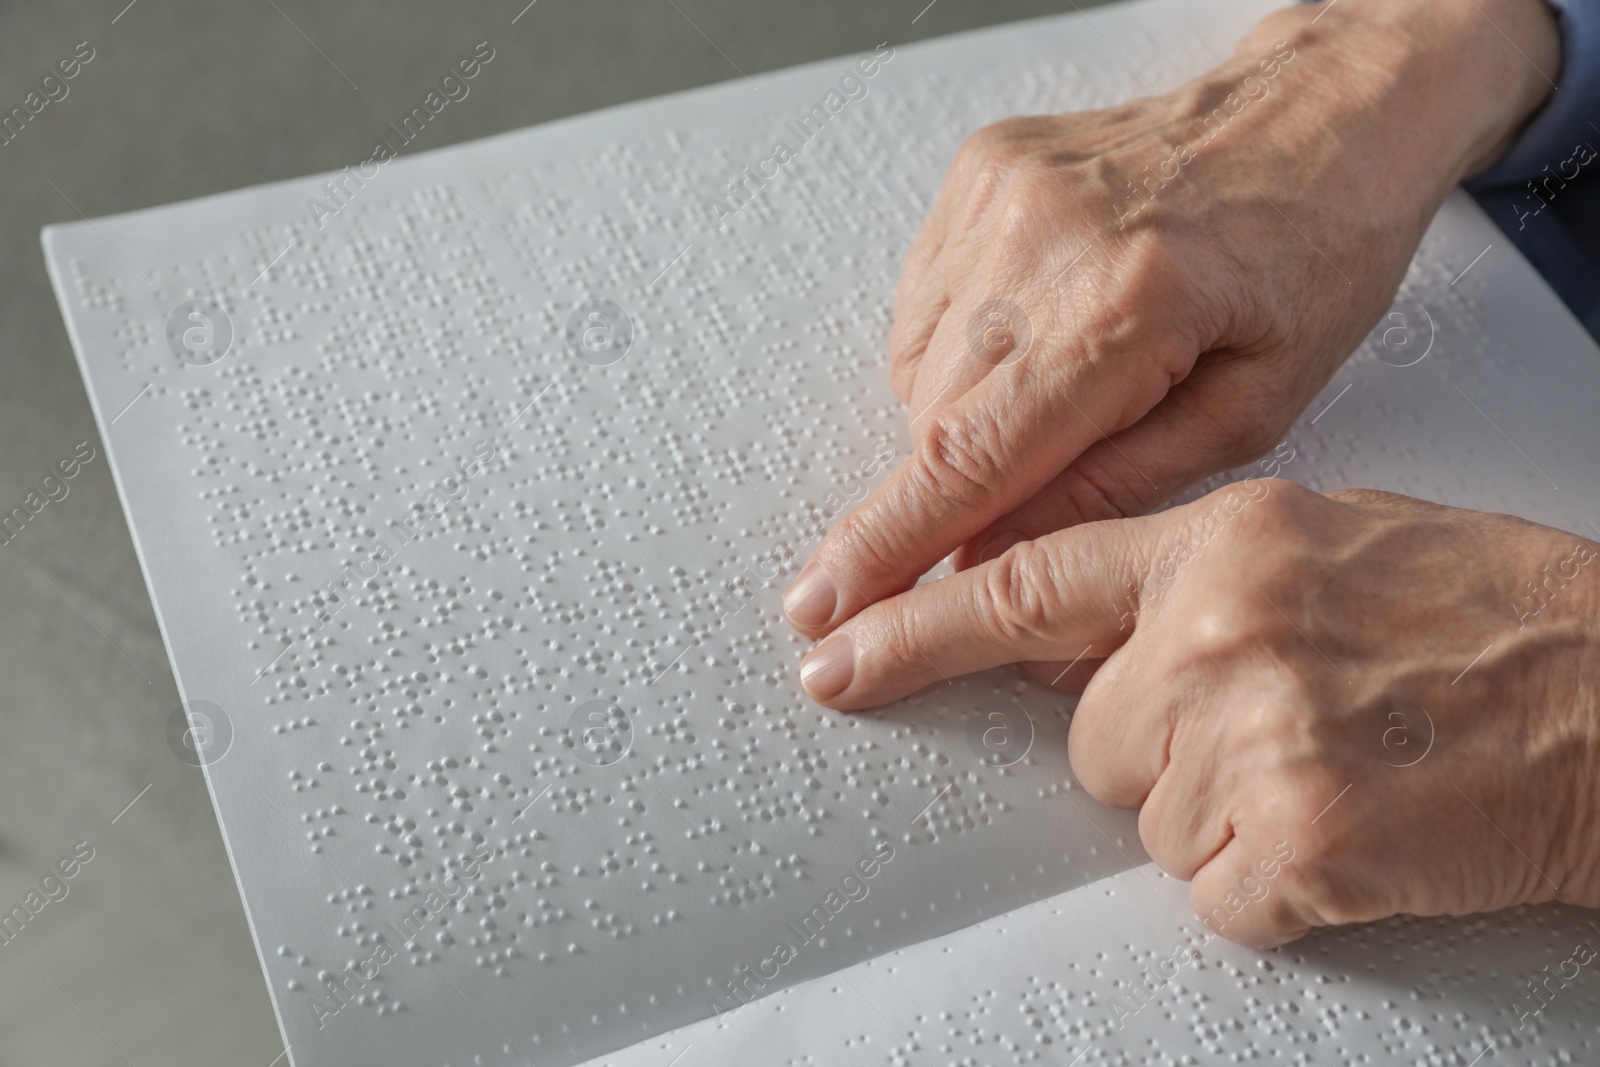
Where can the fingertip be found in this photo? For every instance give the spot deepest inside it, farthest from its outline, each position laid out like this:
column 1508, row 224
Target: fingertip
column 828, row 669
column 856, row 667
column 812, row 599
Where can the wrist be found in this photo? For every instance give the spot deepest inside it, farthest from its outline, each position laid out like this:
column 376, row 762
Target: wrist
column 1421, row 93
column 1487, row 65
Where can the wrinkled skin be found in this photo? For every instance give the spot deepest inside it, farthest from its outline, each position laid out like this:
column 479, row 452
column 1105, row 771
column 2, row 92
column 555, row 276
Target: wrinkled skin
column 1265, row 648
column 1176, row 333
column 1103, row 309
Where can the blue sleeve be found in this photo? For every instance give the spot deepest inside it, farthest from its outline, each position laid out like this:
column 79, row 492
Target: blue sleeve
column 1544, row 193
column 1568, row 119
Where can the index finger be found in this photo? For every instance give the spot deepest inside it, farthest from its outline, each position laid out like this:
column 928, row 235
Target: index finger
column 1075, row 588
column 974, row 461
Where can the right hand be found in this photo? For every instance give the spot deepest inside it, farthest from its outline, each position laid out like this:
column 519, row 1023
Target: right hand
column 1403, row 695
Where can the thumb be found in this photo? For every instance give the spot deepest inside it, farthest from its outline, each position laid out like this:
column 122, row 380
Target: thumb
column 1044, row 599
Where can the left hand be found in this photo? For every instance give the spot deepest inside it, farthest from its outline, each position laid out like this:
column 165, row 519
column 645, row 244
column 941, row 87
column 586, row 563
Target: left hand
column 1403, row 696
column 1106, row 307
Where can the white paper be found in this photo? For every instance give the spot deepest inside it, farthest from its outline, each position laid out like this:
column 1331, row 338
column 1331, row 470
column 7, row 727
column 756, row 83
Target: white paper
column 624, row 538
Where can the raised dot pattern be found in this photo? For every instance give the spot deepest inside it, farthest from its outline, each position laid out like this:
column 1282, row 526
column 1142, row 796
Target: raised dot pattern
column 407, row 777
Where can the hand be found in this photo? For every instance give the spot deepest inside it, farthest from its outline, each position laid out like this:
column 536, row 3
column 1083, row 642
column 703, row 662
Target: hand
column 1405, row 697
column 1104, row 308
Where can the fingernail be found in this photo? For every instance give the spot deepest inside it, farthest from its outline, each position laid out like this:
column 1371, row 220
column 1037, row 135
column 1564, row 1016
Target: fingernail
column 996, row 546
column 829, row 669
column 811, row 600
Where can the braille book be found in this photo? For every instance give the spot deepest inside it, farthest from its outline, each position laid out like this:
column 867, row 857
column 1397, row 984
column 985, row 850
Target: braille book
column 466, row 484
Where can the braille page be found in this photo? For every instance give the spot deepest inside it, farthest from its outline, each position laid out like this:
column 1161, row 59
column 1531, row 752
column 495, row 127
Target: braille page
column 1120, row 973
column 466, row 486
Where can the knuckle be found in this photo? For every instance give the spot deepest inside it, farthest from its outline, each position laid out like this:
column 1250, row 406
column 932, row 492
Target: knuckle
column 907, row 342
column 863, row 544
column 1219, row 518
column 1094, row 774
column 1024, row 226
column 994, row 164
column 1277, row 919
column 981, row 140
column 957, row 460
column 991, row 172
column 1216, row 638
column 1158, row 845
column 1277, row 509
column 894, row 645
column 1369, row 498
column 1284, row 920
column 1016, row 586
column 1034, row 173
column 1288, row 494
column 1019, row 222
column 1314, row 885
column 1006, row 135
column 1321, row 873
column 1107, row 784
column 1107, row 323
column 1144, row 269
column 1022, row 127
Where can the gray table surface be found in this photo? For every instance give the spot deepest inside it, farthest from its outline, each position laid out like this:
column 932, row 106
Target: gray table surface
column 148, row 958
